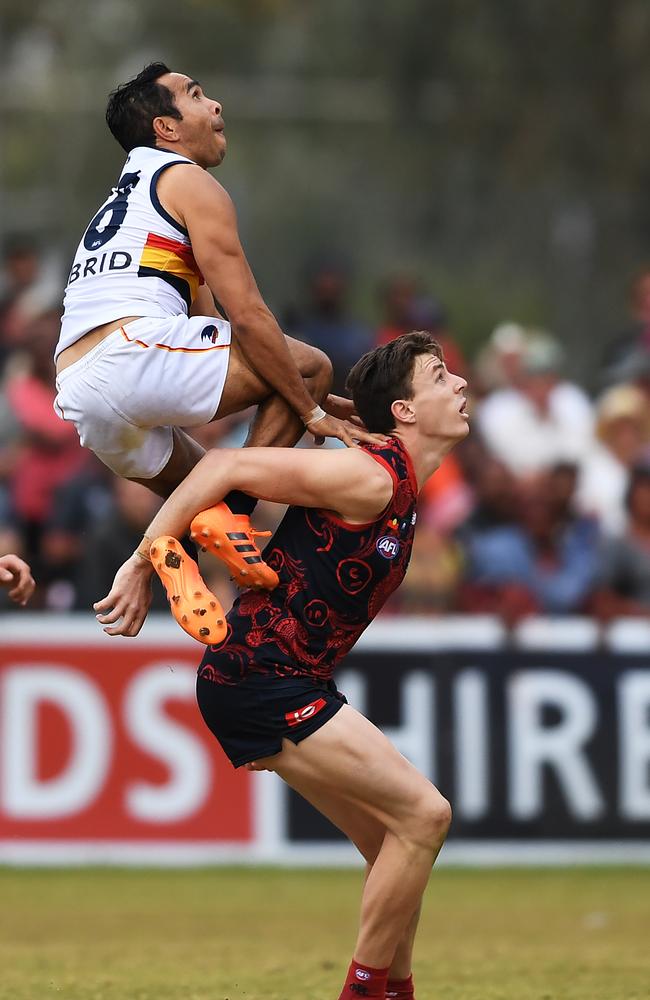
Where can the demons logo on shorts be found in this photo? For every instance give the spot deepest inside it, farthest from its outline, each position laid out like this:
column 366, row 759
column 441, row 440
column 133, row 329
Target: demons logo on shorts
column 304, row 713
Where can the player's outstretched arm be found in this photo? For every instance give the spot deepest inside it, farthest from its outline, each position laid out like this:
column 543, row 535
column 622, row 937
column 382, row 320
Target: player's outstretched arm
column 17, row 576
column 347, row 482
column 209, row 215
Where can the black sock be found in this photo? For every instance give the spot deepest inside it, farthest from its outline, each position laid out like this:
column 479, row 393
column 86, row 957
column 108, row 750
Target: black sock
column 190, row 547
column 240, row 503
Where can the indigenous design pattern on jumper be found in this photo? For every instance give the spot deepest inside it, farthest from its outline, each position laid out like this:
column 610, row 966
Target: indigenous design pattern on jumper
column 334, row 578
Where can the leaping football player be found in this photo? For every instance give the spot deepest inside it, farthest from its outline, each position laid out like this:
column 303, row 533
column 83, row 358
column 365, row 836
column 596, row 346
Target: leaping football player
column 143, row 350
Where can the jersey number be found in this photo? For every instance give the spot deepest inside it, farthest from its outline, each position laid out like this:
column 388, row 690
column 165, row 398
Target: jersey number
column 109, row 218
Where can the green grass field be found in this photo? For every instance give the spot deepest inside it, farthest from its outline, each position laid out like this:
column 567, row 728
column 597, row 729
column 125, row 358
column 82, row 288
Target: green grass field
column 212, row 934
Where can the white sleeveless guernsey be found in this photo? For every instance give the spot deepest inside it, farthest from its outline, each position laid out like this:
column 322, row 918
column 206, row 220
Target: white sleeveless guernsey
column 135, row 259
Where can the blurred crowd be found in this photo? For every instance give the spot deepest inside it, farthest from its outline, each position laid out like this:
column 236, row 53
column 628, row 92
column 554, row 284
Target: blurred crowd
column 544, row 509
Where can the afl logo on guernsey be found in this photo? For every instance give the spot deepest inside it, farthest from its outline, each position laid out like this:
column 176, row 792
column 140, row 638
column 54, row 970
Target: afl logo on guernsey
column 388, row 546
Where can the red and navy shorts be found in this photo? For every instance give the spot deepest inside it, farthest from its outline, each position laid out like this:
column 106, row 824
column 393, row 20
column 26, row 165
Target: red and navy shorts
column 251, row 717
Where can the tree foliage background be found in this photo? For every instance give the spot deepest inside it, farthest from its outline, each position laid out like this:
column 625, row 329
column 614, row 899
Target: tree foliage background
column 497, row 149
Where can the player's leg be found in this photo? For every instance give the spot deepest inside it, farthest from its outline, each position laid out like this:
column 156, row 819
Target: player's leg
column 400, row 974
column 224, row 530
column 367, row 834
column 186, row 452
column 351, row 761
column 275, row 424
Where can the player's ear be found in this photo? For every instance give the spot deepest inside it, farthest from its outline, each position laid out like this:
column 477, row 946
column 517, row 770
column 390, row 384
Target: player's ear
column 164, row 128
column 403, row 411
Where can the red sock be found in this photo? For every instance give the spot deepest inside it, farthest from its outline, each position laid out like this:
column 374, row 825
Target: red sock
column 362, row 981
column 400, row 989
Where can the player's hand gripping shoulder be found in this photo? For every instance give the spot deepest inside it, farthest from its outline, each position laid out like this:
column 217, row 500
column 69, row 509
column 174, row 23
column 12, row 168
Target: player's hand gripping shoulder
column 125, row 607
column 16, row 575
column 340, row 420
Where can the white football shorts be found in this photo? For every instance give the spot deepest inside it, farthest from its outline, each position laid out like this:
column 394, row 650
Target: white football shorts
column 125, row 395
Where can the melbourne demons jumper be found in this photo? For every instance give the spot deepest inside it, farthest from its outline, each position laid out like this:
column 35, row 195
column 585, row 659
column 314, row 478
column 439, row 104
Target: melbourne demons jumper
column 271, row 677
column 164, row 369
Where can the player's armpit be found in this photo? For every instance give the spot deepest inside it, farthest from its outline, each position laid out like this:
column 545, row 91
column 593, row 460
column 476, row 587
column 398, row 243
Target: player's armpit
column 204, row 304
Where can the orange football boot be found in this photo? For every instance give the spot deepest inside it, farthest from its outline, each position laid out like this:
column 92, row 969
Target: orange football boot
column 195, row 608
column 231, row 538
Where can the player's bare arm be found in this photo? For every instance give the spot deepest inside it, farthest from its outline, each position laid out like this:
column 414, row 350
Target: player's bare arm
column 218, row 252
column 349, row 483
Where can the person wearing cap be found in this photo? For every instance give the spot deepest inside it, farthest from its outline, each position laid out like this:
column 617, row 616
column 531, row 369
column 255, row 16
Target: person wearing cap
column 541, row 421
column 622, row 436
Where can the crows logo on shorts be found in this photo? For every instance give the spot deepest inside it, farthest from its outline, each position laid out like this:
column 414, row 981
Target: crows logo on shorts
column 210, row 333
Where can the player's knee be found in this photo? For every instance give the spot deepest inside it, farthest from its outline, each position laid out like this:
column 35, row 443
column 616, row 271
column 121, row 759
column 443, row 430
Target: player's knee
column 323, row 372
column 432, row 819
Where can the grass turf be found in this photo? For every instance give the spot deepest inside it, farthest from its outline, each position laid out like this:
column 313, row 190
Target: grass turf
column 212, row 934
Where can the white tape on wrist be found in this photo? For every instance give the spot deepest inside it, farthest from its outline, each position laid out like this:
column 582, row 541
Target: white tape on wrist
column 316, row 414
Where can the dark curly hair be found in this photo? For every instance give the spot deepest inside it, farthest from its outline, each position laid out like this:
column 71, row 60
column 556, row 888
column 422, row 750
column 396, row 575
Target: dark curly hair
column 133, row 106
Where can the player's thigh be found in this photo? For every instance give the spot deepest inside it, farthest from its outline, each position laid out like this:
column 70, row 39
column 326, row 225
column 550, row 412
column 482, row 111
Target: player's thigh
column 186, row 452
column 350, row 760
column 245, row 385
column 364, row 830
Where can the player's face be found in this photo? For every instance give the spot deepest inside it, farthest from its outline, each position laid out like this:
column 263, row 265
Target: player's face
column 439, row 399
column 201, row 129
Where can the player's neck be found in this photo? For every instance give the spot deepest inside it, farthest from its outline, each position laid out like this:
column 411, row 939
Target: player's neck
column 426, row 454
column 177, row 149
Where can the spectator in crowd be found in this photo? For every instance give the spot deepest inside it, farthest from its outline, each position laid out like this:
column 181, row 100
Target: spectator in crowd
column 404, row 308
column 20, row 265
column 447, row 499
column 622, row 437
column 544, row 563
column 624, row 578
column 324, row 319
column 543, row 420
column 9, row 438
column 500, row 362
column 48, row 452
column 630, row 351
column 434, row 575
column 78, row 505
column 16, row 578
column 397, row 295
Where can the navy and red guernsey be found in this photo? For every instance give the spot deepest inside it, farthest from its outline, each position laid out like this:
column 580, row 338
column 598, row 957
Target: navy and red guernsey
column 334, row 578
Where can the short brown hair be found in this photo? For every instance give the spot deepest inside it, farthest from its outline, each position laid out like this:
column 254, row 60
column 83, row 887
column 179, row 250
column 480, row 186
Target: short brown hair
column 385, row 374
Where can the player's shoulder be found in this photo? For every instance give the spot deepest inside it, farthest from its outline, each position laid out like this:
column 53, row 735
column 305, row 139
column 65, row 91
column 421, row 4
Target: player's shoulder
column 390, row 456
column 186, row 181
